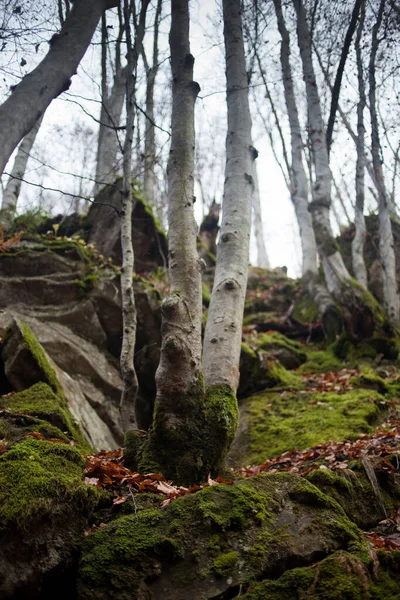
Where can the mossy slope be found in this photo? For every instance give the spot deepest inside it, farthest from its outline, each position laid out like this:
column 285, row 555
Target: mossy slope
column 271, row 424
column 219, row 536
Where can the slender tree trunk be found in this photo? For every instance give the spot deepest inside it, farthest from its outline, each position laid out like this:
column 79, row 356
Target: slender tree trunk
column 353, row 135
column 13, row 187
column 299, row 192
column 386, row 243
column 358, row 315
column 108, row 142
column 262, row 256
column 357, row 246
column 223, row 333
column 31, row 97
column 298, row 177
column 150, row 138
column 178, row 376
column 339, row 73
column 128, row 373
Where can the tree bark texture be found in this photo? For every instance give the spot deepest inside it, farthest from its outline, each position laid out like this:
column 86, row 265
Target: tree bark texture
column 13, row 187
column 223, row 333
column 357, row 313
column 31, row 97
column 298, row 177
column 178, row 435
column 180, row 362
column 108, row 142
column 262, row 256
column 129, row 321
column 340, row 70
column 299, row 192
column 386, row 243
column 357, row 246
column 150, row 138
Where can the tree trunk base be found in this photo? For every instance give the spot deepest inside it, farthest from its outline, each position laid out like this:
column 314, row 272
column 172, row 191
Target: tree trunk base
column 190, row 436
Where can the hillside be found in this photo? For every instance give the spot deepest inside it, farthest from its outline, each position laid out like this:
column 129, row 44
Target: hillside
column 308, row 504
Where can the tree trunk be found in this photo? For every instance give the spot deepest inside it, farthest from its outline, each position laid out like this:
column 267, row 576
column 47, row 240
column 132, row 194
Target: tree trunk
column 386, row 243
column 178, row 376
column 358, row 317
column 262, row 256
column 357, row 246
column 150, row 138
column 223, row 333
column 31, row 97
column 108, row 141
column 128, row 373
column 339, row 73
column 299, row 193
column 13, row 187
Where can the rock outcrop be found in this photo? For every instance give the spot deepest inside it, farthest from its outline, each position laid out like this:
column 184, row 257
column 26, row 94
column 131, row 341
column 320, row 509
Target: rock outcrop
column 70, row 298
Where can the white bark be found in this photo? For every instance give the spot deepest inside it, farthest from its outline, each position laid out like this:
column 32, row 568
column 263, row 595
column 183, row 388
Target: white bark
column 386, row 242
column 150, row 138
column 336, row 273
column 108, row 141
column 262, row 256
column 13, row 187
column 32, row 96
column 129, row 322
column 223, row 333
column 298, row 177
column 357, row 246
column 180, row 361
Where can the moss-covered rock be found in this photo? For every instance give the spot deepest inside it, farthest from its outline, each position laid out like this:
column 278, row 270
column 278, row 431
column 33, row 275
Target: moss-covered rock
column 216, row 538
column 25, row 360
column 291, row 354
column 41, row 402
column 43, row 508
column 365, row 500
column 260, row 370
column 342, row 576
column 271, row 424
column 321, row 361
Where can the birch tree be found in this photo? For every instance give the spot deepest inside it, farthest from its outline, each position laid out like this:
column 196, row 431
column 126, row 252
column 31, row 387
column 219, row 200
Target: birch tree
column 128, row 373
column 386, row 243
column 262, row 256
column 223, row 332
column 299, row 190
column 357, row 246
column 150, row 138
column 195, row 417
column 180, row 391
column 13, row 187
column 31, row 97
column 112, row 103
column 112, row 99
column 357, row 315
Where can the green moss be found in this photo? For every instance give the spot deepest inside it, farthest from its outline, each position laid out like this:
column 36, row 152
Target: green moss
column 37, row 352
column 295, row 421
column 282, row 377
column 41, row 402
column 222, row 415
column 115, row 556
column 304, row 309
column 245, row 349
column 225, row 563
column 320, row 361
column 274, row 338
column 42, row 478
column 14, row 427
column 234, row 507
